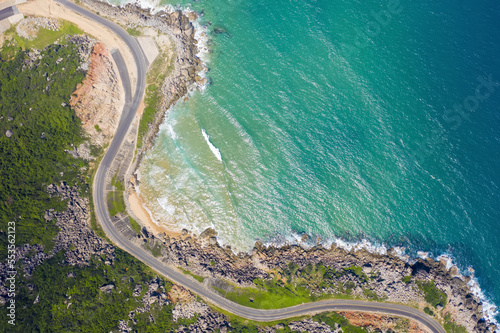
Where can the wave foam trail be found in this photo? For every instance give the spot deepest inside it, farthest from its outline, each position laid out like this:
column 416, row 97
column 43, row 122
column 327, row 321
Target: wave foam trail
column 214, row 149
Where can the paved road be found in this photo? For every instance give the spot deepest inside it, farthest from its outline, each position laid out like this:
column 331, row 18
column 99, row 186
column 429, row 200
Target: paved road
column 7, row 12
column 103, row 215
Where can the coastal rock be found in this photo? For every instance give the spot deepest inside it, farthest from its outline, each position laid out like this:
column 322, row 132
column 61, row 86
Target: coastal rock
column 99, row 99
column 382, row 323
column 107, row 288
column 75, row 237
column 208, row 233
column 28, row 28
column 381, row 274
column 177, row 25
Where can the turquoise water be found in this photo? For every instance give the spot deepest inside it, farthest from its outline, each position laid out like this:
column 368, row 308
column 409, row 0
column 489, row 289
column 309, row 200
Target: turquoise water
column 332, row 124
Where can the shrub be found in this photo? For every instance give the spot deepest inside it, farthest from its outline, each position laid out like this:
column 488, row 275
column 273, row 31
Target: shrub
column 432, row 294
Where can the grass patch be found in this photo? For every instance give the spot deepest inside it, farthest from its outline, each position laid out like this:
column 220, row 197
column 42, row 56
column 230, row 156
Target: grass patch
column 134, row 225
column 270, row 294
column 406, row 279
column 333, row 319
column 134, row 32
column 45, row 37
column 152, row 102
column 155, row 251
column 293, row 285
column 196, row 277
column 432, row 294
column 115, row 200
column 452, row 327
column 159, row 69
column 157, row 73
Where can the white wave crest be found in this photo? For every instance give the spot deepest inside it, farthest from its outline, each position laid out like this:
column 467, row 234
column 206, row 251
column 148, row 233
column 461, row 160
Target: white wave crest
column 214, row 149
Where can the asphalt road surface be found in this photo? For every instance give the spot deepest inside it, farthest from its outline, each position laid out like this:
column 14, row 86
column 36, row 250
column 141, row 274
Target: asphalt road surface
column 102, row 213
column 7, row 12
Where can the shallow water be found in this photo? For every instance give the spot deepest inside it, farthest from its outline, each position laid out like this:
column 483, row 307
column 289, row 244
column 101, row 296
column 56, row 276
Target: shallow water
column 336, row 119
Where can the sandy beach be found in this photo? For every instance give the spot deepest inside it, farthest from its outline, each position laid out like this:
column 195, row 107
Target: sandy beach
column 141, row 213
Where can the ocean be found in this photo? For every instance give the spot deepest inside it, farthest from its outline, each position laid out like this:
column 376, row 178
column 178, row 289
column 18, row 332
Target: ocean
column 375, row 120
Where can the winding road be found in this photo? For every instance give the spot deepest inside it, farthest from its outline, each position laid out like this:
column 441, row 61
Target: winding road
column 99, row 185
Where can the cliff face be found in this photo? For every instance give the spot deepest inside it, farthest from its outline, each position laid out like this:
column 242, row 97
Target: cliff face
column 188, row 68
column 99, row 100
column 382, row 323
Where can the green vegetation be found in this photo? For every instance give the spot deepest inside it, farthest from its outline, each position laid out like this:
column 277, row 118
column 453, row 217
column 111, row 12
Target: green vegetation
column 333, row 318
column 116, row 203
column 270, row 294
column 134, row 32
column 159, row 69
column 196, row 277
column 157, row 73
column 44, row 37
column 76, row 304
column 152, row 101
column 358, row 271
column 240, row 324
column 428, row 311
column 432, row 295
column 162, row 318
column 371, row 295
column 97, row 128
column 33, row 106
column 58, row 297
column 452, row 327
column 134, row 225
column 294, row 286
column 403, row 325
column 406, row 279
column 155, row 249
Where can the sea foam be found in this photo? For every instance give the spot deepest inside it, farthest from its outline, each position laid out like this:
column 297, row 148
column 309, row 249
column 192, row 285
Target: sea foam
column 214, row 149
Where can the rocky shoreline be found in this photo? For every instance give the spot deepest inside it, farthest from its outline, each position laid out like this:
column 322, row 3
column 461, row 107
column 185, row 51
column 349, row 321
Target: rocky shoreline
column 382, row 274
column 385, row 275
column 222, row 268
column 189, row 69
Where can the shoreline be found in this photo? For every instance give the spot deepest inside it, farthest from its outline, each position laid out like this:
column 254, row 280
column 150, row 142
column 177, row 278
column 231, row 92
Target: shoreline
column 207, row 240
column 189, row 70
column 144, row 216
column 102, row 245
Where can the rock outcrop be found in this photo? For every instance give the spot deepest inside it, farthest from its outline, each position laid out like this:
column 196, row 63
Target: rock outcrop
column 75, row 237
column 383, row 275
column 28, row 28
column 382, row 323
column 98, row 101
column 188, row 71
